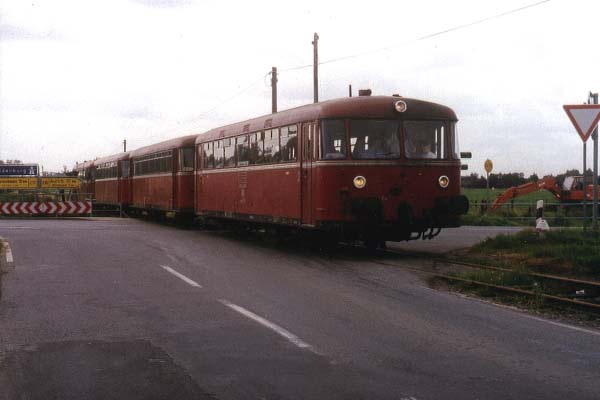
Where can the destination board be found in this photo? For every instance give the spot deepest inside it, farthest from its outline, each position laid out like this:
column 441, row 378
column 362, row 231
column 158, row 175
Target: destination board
column 18, row 183
column 19, row 170
column 61, row 183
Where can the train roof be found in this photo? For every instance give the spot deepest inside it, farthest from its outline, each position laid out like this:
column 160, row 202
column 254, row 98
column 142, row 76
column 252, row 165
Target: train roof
column 348, row 107
column 114, row 157
column 83, row 165
column 184, row 141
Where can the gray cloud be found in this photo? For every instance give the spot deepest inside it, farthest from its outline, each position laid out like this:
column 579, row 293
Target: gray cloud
column 143, row 113
column 164, row 3
column 12, row 32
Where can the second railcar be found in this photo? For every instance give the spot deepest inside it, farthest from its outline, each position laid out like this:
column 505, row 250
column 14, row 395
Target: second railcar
column 163, row 177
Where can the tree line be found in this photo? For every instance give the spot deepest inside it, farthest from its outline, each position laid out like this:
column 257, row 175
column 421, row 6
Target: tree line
column 505, row 181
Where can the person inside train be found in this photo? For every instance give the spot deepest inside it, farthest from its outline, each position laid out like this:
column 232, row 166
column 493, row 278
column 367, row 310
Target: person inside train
column 424, row 150
column 418, row 147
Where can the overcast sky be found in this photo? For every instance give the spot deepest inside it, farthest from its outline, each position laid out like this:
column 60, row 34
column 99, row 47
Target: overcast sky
column 77, row 77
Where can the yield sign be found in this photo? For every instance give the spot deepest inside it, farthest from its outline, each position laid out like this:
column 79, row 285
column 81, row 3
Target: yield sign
column 584, row 117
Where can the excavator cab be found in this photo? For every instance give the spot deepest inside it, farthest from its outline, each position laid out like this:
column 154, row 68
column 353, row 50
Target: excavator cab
column 569, row 183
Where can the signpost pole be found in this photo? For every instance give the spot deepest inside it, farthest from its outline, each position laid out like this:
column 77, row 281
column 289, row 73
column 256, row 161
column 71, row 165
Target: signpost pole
column 594, row 97
column 584, row 188
column 488, row 165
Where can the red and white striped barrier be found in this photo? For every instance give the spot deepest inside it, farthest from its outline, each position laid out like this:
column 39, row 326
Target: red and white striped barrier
column 46, row 208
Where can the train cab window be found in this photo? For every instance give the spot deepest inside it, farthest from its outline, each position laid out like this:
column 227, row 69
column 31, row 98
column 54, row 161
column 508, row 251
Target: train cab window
column 425, row 139
column 186, row 159
column 271, row 149
column 229, row 152
column 242, row 150
column 333, row 139
column 256, row 147
column 374, row 139
column 219, row 154
column 208, row 157
column 454, row 139
column 289, row 143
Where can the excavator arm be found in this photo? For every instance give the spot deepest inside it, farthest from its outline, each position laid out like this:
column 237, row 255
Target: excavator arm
column 547, row 183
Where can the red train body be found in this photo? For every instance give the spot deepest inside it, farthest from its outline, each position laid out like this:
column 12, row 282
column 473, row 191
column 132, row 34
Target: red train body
column 349, row 166
column 163, row 176
column 112, row 181
column 85, row 172
column 370, row 168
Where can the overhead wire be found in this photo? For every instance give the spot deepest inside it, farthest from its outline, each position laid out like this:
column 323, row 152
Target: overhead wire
column 382, row 49
column 425, row 37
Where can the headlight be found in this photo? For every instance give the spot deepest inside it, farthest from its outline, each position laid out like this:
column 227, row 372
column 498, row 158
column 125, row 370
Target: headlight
column 359, row 182
column 400, row 106
column 443, row 181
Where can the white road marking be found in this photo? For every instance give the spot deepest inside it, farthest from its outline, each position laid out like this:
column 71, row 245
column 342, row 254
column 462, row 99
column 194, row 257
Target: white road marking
column 8, row 251
column 9, row 256
column 274, row 327
column 571, row 327
column 181, row 276
column 528, row 316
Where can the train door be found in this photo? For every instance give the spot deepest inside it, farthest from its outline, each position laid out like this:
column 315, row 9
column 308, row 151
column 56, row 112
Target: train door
column 308, row 137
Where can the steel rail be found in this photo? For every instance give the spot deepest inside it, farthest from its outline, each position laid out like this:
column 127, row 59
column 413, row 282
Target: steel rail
column 545, row 276
column 596, row 307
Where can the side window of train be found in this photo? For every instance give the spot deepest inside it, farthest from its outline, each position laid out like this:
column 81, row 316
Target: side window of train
column 256, row 147
column 125, row 169
column 242, row 150
column 333, row 139
column 271, row 149
column 289, row 143
column 219, row 154
column 208, row 157
column 186, row 159
column 229, row 146
column 168, row 161
column 307, row 142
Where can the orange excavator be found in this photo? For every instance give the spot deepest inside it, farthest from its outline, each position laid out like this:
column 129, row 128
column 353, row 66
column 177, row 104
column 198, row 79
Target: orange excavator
column 570, row 192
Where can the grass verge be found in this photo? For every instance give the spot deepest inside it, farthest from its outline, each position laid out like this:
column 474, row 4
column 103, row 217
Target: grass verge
column 566, row 253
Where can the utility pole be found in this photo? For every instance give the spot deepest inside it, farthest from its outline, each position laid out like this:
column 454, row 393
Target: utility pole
column 349, row 90
column 594, row 98
column 124, row 145
column 316, row 67
column 273, row 90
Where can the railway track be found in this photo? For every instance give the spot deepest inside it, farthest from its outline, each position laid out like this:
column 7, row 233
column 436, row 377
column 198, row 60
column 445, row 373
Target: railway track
column 588, row 288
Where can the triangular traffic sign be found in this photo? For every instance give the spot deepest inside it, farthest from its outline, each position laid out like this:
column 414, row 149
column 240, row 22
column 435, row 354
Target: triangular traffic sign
column 585, row 118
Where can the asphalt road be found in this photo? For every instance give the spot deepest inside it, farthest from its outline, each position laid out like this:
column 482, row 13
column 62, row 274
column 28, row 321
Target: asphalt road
column 119, row 309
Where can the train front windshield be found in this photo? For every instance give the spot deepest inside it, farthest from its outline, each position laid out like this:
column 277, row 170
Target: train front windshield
column 373, row 139
column 425, row 139
column 380, row 139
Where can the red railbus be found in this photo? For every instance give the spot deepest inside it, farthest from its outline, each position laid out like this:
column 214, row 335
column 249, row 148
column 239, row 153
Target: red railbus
column 371, row 168
column 112, row 181
column 163, row 177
